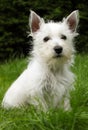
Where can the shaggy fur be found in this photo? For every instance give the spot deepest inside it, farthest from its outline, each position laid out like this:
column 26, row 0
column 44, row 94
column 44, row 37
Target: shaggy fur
column 47, row 81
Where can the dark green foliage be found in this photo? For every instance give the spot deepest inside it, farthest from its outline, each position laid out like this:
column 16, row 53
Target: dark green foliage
column 13, row 27
column 14, row 15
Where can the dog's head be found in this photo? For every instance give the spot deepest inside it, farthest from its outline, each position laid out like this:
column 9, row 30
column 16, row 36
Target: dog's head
column 53, row 40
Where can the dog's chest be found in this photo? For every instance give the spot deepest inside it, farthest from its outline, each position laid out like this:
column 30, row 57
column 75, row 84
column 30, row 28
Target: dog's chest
column 53, row 89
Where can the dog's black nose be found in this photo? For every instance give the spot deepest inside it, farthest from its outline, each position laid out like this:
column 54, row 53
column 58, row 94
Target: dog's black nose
column 58, row 49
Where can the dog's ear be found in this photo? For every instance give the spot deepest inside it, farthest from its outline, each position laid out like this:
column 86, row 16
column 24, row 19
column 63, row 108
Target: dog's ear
column 34, row 21
column 72, row 20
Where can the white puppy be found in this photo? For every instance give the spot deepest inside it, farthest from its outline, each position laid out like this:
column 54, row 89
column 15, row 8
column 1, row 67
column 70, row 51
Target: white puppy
column 48, row 79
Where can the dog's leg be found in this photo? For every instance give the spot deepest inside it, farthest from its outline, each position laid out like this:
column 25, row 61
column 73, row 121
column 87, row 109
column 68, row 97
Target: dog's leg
column 67, row 106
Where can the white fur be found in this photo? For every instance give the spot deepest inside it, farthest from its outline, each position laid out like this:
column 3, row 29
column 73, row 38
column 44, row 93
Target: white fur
column 47, row 80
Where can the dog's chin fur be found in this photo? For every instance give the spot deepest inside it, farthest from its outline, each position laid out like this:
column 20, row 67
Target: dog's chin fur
column 48, row 80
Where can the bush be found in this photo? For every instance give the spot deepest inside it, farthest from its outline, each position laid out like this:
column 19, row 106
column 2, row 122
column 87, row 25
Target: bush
column 14, row 17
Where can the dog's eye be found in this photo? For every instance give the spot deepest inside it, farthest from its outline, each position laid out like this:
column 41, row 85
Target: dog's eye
column 46, row 39
column 63, row 37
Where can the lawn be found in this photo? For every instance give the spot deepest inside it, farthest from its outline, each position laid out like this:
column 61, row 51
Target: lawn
column 30, row 119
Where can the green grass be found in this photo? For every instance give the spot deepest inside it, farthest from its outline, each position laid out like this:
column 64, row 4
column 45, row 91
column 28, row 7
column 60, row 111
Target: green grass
column 30, row 119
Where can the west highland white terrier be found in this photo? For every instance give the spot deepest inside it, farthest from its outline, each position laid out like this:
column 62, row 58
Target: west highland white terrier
column 48, row 80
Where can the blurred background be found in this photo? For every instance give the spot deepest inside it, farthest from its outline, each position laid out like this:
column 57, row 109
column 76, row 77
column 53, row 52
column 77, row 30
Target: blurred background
column 14, row 17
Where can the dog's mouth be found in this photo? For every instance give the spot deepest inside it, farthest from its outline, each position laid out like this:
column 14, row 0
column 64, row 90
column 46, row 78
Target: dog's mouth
column 58, row 56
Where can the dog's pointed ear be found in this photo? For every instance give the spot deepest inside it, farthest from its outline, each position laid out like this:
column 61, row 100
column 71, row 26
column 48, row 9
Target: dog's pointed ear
column 72, row 20
column 35, row 21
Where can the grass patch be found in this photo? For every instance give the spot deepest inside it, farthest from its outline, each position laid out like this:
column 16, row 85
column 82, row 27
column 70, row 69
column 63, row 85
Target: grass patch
column 30, row 119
